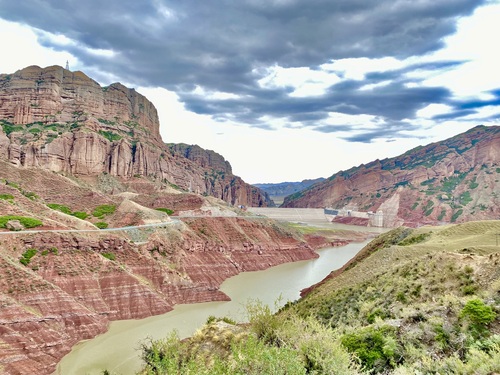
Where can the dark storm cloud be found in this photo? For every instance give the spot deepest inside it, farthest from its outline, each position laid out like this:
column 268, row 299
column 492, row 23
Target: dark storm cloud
column 469, row 107
column 454, row 115
column 364, row 134
column 393, row 101
column 223, row 45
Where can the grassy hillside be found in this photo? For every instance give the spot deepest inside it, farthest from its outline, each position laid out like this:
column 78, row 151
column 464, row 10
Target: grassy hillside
column 415, row 301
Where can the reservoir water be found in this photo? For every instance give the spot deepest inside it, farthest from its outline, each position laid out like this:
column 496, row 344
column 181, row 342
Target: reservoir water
column 117, row 350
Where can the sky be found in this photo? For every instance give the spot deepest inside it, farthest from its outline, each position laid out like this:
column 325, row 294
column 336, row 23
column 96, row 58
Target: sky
column 285, row 90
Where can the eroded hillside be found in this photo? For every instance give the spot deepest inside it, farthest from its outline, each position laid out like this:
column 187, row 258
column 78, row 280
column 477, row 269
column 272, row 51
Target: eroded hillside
column 57, row 288
column 65, row 122
column 455, row 180
column 414, row 301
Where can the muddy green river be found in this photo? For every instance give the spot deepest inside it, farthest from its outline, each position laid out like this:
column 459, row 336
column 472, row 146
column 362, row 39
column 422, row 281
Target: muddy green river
column 117, row 349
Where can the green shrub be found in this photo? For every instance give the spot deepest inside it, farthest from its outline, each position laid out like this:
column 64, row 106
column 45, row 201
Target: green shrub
column 6, row 196
column 11, row 128
column 109, row 256
column 59, row 207
column 262, row 321
column 80, row 215
column 30, row 195
column 478, row 315
column 456, row 214
column 414, row 239
column 27, row 222
column 376, row 348
column 27, row 255
column 110, row 136
column 101, row 225
column 104, row 209
column 246, row 356
column 168, row 211
column 213, row 319
column 465, row 198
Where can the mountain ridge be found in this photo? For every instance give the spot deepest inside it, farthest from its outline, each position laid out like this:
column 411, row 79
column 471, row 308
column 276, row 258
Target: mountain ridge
column 66, row 122
column 449, row 181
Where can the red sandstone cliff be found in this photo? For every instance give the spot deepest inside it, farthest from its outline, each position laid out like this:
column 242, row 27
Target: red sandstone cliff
column 65, row 122
column 454, row 180
column 76, row 283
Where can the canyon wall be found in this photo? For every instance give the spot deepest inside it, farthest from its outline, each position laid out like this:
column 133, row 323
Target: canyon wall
column 66, row 122
column 75, row 284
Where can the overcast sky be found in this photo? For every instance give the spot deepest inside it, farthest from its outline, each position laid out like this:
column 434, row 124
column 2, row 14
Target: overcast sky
column 283, row 89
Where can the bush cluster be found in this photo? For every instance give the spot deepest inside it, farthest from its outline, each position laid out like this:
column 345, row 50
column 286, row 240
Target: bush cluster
column 65, row 209
column 104, row 209
column 168, row 211
column 27, row 222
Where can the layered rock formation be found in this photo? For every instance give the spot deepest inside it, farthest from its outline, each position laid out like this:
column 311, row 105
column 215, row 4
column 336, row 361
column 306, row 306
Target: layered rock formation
column 75, row 284
column 454, row 180
column 65, row 122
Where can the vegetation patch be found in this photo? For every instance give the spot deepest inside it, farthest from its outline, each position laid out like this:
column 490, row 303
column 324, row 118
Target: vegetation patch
column 65, row 209
column 104, row 121
column 10, row 128
column 27, row 222
column 101, row 225
column 456, row 214
column 110, row 136
column 80, row 215
column 442, row 214
column 27, row 255
column 7, row 197
column 479, row 316
column 109, row 256
column 30, row 195
column 465, row 198
column 168, row 211
column 412, row 240
column 104, row 209
column 376, row 347
column 60, row 207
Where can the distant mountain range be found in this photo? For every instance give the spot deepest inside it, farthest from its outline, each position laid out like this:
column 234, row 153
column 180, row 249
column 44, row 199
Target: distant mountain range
column 282, row 189
column 455, row 180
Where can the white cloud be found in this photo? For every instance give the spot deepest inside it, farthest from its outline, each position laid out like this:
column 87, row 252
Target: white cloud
column 24, row 49
column 304, row 81
column 356, row 68
column 434, row 109
column 216, row 95
column 475, row 42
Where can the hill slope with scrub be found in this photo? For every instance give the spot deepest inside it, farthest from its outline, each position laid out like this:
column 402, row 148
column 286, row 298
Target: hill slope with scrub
column 413, row 301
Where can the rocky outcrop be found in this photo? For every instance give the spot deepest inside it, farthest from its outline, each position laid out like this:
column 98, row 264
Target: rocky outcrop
column 56, row 95
column 455, row 180
column 202, row 157
column 75, row 284
column 65, row 122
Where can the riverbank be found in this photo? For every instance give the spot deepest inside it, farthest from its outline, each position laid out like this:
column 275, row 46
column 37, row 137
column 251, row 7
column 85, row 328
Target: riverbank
column 116, row 350
column 70, row 286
